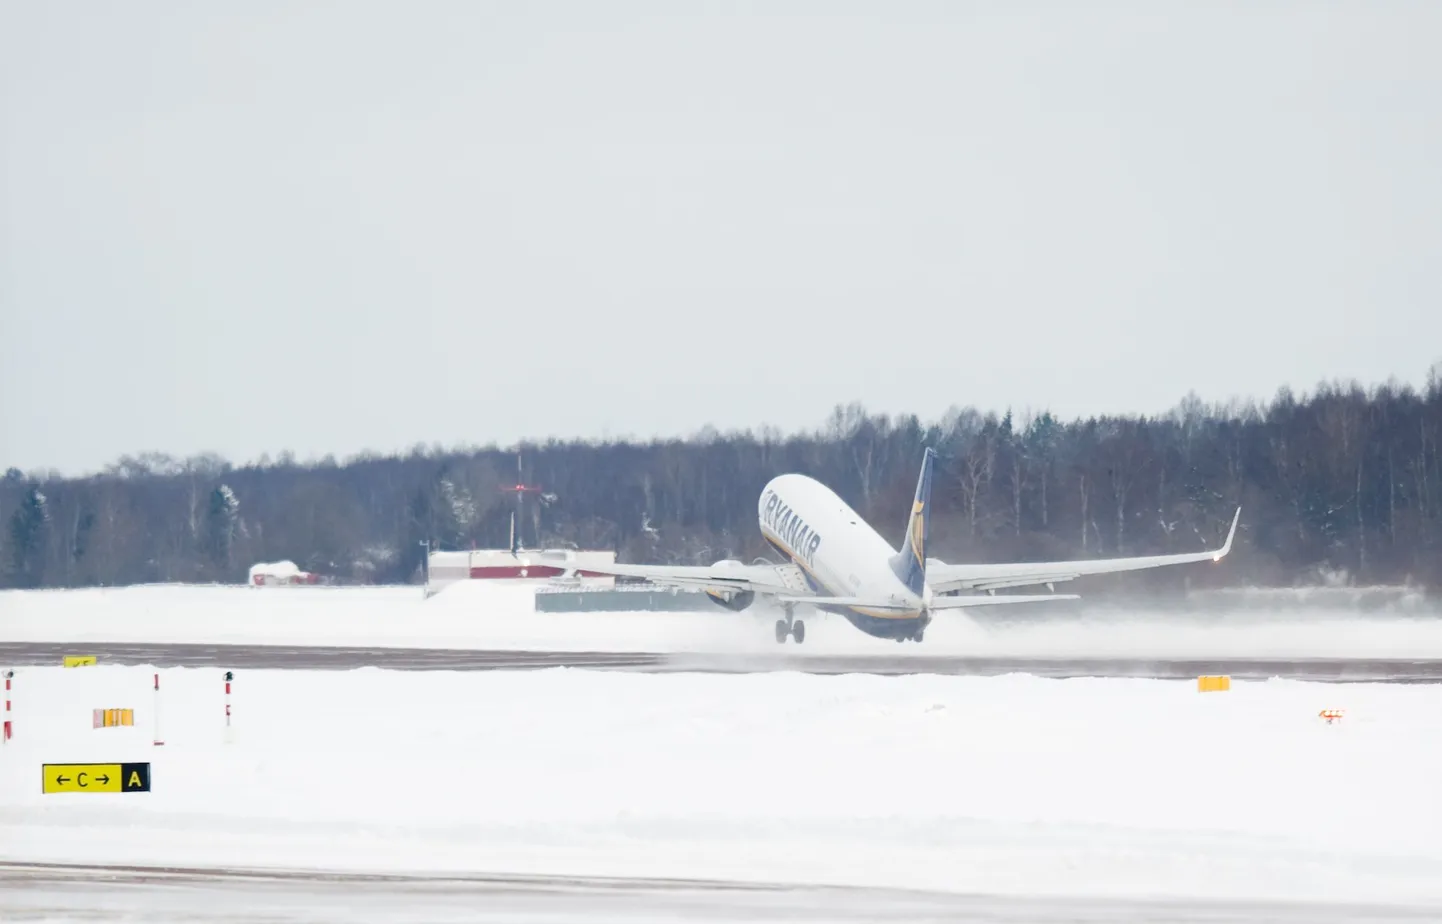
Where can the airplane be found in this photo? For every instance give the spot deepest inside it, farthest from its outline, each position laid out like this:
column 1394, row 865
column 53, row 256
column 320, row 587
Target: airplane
column 837, row 563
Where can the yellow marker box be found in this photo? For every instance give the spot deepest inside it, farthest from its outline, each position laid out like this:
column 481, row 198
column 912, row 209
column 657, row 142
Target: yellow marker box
column 79, row 660
column 1213, row 684
column 111, row 718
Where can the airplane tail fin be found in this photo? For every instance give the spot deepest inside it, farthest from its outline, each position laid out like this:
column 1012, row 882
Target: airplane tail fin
column 910, row 563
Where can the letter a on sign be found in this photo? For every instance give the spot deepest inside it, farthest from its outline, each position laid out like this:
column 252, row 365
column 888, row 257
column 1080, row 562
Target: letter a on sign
column 136, row 777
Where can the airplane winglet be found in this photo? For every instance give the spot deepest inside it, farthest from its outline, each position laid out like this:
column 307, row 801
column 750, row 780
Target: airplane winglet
column 1227, row 546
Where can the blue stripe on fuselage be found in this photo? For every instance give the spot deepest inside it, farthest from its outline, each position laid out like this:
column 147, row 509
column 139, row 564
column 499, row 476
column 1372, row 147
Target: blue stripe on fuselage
column 887, row 627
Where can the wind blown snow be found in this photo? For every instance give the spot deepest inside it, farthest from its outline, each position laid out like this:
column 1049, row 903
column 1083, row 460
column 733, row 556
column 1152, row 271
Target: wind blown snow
column 496, row 615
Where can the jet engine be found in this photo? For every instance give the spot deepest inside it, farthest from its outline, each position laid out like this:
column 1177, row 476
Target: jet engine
column 733, row 600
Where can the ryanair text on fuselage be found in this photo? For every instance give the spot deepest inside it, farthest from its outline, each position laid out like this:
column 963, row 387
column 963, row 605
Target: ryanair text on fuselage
column 790, row 528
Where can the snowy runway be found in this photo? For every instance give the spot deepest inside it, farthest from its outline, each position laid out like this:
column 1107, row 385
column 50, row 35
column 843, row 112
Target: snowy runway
column 1011, row 786
column 503, row 618
column 984, row 798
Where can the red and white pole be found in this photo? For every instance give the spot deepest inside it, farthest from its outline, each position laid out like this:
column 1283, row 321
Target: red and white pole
column 156, row 740
column 9, row 730
column 229, row 676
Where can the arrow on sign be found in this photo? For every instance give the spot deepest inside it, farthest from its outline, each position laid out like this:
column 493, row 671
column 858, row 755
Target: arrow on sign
column 62, row 780
column 103, row 779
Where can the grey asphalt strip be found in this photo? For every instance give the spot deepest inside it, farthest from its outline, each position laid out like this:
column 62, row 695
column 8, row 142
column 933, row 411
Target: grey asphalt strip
column 304, row 657
column 69, row 892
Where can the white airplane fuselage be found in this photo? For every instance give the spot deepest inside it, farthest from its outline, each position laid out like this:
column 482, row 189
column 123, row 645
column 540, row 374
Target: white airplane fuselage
column 840, row 555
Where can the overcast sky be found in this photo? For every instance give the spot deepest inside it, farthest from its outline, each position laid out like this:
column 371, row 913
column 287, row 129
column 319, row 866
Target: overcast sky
column 326, row 227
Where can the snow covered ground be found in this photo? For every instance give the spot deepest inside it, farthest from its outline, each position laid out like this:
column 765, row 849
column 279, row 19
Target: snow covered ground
column 1004, row 786
column 1012, row 786
column 478, row 615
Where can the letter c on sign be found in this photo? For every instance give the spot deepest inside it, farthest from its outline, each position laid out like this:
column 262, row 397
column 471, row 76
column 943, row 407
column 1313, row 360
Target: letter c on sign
column 80, row 780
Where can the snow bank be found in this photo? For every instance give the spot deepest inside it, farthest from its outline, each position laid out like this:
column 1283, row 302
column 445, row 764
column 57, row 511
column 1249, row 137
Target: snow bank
column 498, row 615
column 266, row 574
column 1007, row 785
column 469, row 614
column 276, row 569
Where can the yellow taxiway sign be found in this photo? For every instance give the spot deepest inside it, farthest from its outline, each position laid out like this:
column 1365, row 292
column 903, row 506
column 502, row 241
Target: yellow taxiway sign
column 95, row 777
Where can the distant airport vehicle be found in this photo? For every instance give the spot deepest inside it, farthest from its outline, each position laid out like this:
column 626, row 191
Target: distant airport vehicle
column 837, row 563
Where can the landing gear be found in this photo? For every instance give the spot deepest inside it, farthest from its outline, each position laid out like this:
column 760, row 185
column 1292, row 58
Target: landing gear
column 790, row 626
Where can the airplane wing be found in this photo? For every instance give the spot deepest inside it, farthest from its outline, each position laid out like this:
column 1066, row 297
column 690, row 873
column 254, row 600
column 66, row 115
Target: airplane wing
column 722, row 576
column 967, row 602
column 937, row 603
column 945, row 578
column 845, row 601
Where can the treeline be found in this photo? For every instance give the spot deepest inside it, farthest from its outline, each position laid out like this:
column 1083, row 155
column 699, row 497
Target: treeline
column 1343, row 484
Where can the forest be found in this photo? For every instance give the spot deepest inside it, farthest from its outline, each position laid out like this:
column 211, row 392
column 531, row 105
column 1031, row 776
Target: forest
column 1342, row 485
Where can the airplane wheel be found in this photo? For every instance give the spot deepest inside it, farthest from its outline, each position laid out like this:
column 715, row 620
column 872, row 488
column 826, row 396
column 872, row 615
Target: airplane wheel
column 798, row 631
column 781, row 632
